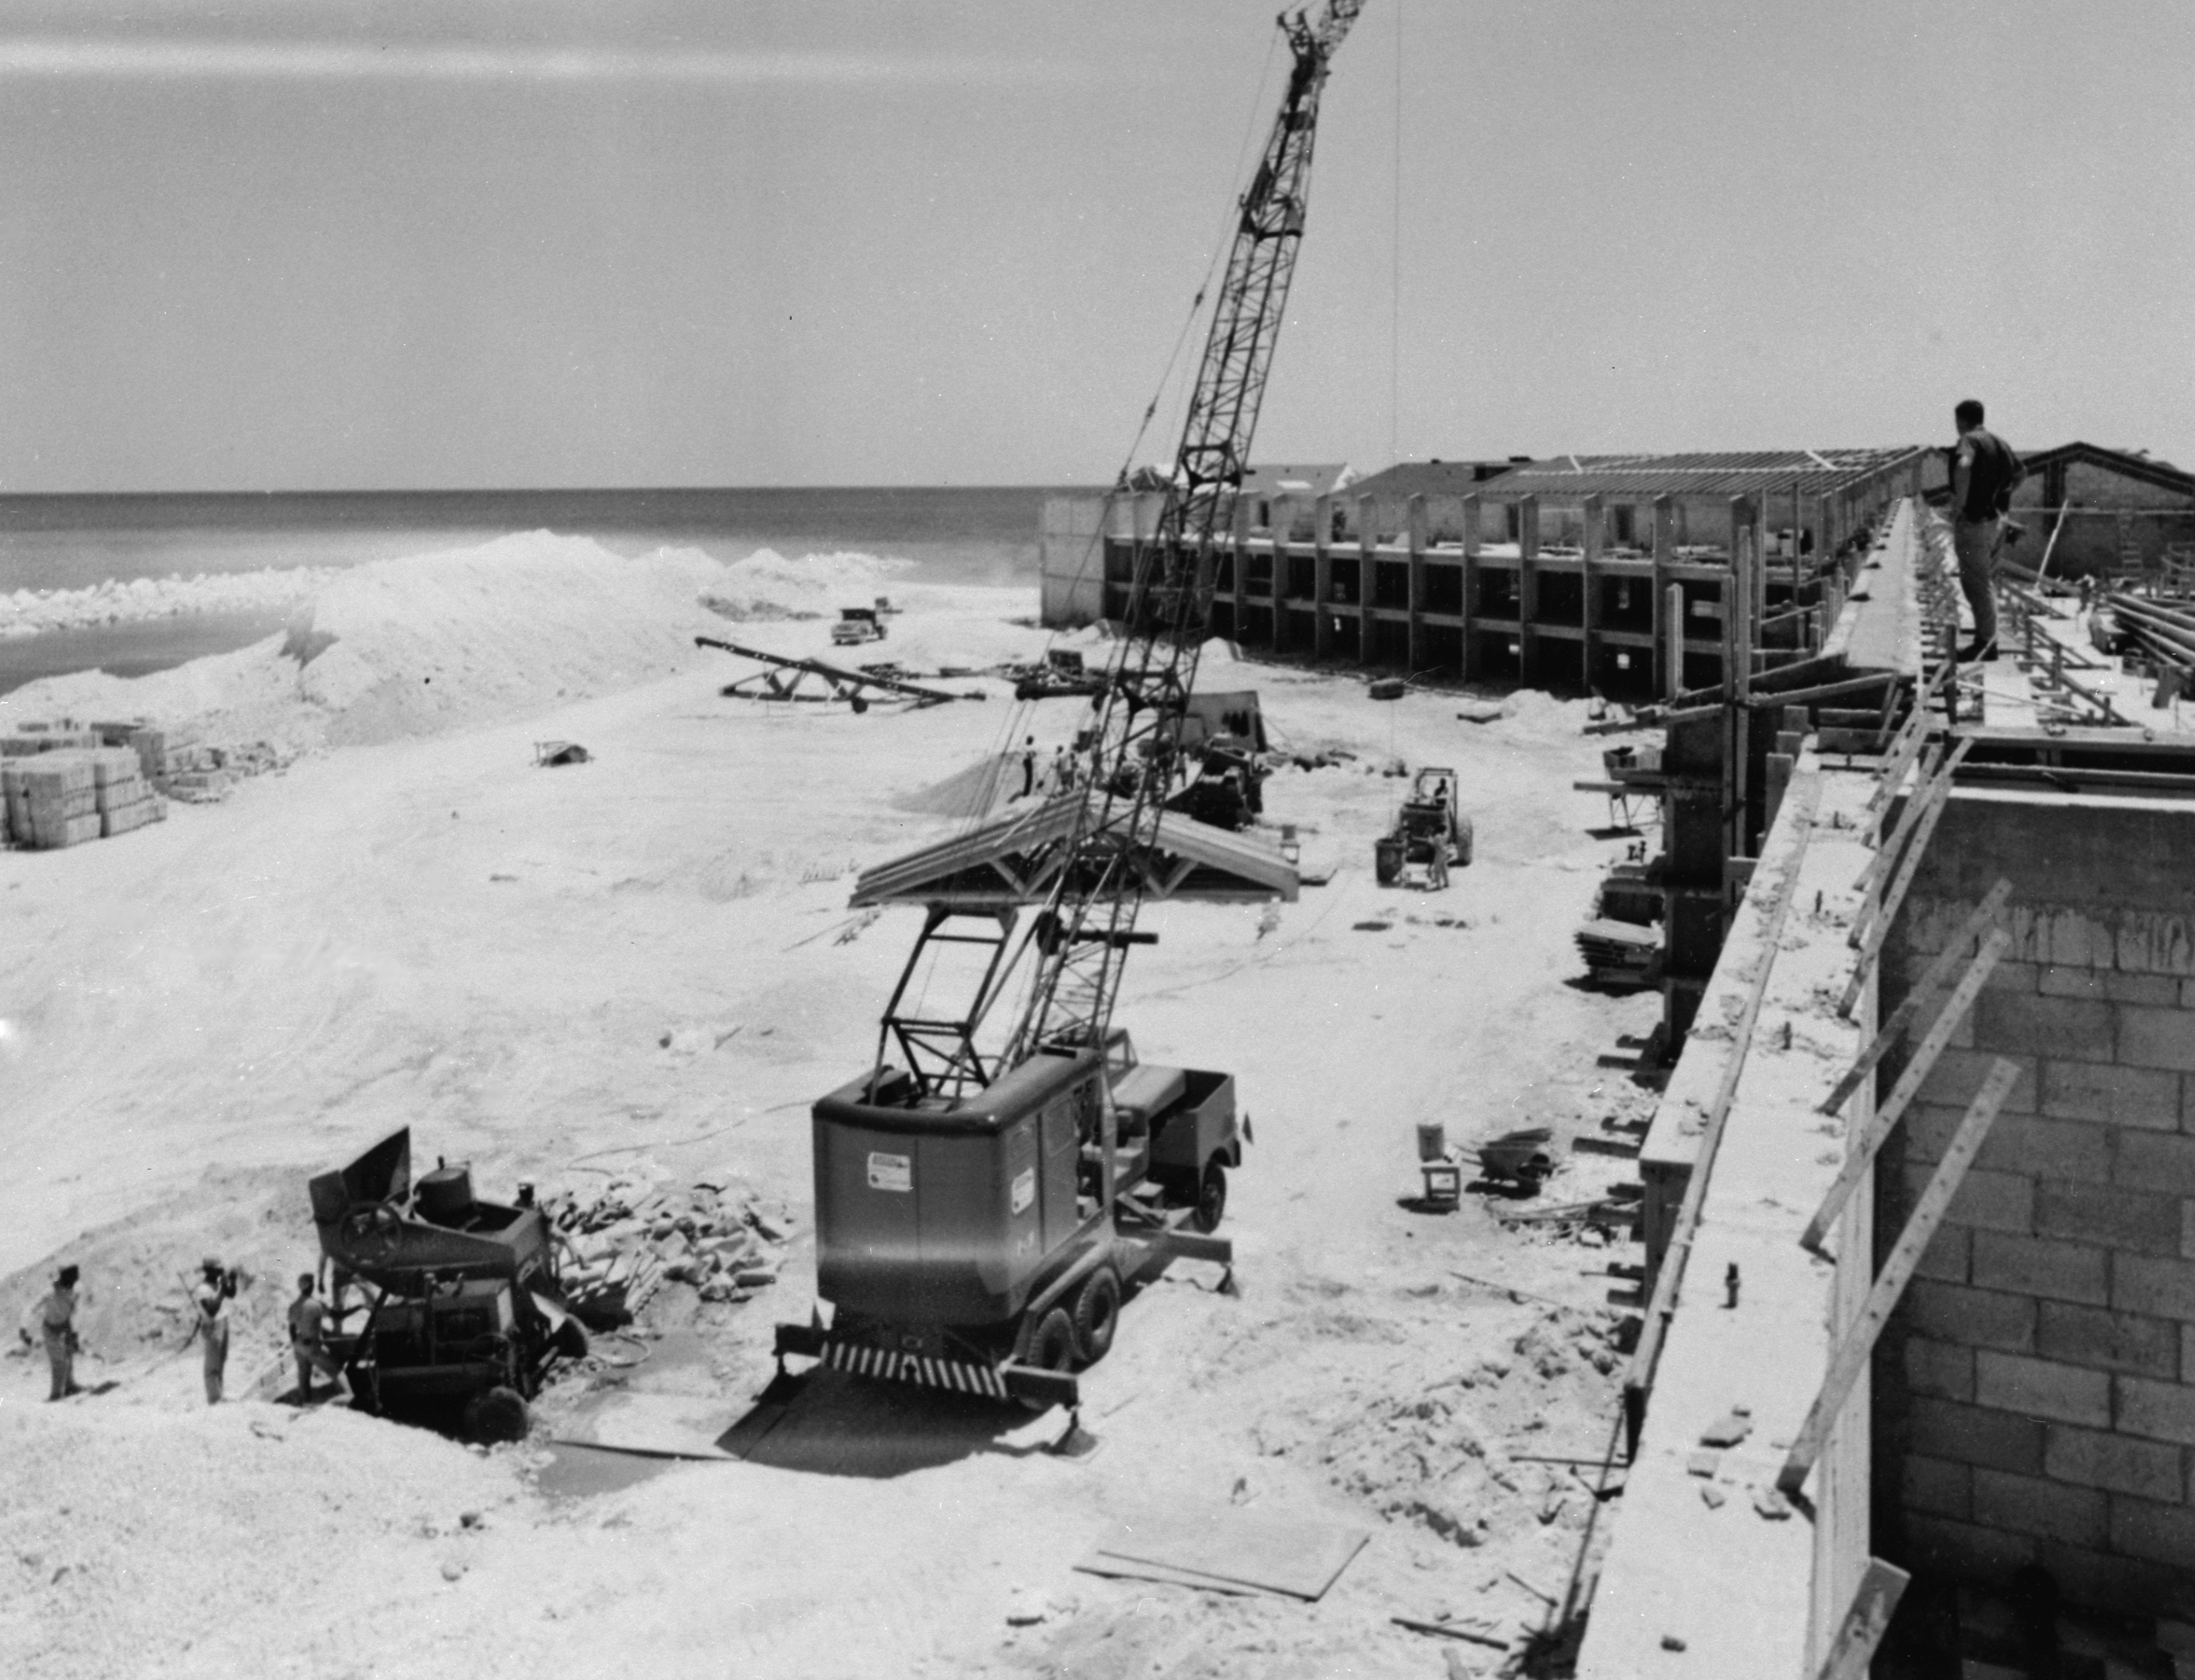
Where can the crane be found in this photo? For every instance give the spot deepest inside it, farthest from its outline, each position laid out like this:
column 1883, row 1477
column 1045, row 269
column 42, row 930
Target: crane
column 979, row 1211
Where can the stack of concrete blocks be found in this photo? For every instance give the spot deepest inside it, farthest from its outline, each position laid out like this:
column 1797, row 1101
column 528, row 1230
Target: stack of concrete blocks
column 125, row 799
column 170, row 759
column 2035, row 1392
column 29, row 740
column 52, row 799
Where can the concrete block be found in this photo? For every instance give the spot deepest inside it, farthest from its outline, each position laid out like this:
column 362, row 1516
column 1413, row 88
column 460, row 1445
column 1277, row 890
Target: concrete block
column 2160, row 990
column 2105, row 1580
column 2163, row 1533
column 1975, row 1318
column 2013, row 977
column 1940, row 1368
column 2150, row 1037
column 1929, row 1128
column 2041, row 1388
column 2117, row 1218
column 2058, row 980
column 1935, row 1486
column 2106, row 1341
column 1958, row 1075
column 1964, row 1551
column 1969, row 1434
column 2156, row 1161
column 2148, row 1097
column 2049, row 1510
column 1945, row 1258
column 2156, row 1411
column 2071, row 1150
column 2060, row 1271
column 2117, row 1464
column 2071, row 1029
column 1985, row 1200
column 2141, row 1283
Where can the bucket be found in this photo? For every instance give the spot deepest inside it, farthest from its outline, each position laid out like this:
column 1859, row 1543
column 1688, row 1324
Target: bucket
column 1387, row 860
column 1432, row 1140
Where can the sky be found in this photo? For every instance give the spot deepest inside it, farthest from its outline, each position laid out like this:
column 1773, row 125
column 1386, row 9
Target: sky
column 281, row 244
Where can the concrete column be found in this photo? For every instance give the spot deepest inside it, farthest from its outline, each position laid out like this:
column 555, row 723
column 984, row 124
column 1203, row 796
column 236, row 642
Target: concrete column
column 1668, row 601
column 1240, row 526
column 1417, row 595
column 1367, row 548
column 1588, row 581
column 1322, row 581
column 1528, row 588
column 1465, row 660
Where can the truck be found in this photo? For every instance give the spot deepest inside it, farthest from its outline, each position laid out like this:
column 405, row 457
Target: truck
column 446, row 1307
column 856, row 625
column 985, row 1244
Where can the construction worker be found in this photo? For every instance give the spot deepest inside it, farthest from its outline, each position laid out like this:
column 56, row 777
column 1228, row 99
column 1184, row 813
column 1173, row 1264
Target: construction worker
column 1984, row 472
column 309, row 1332
column 216, row 1288
column 57, row 1326
column 1028, row 768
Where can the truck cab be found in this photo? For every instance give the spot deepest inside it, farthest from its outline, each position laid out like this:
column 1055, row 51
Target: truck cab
column 856, row 625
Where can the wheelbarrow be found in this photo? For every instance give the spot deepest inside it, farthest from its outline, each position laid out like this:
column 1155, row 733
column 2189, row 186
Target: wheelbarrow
column 1519, row 1158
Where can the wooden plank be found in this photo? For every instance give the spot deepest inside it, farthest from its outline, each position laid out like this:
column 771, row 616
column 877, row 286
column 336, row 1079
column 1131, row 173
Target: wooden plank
column 1865, row 1618
column 1662, row 1303
column 1939, row 972
column 1887, row 912
column 1870, row 1143
column 1934, row 785
column 1859, row 1344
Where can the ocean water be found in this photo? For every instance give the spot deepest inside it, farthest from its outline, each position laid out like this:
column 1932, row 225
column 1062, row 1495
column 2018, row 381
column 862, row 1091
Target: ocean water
column 952, row 534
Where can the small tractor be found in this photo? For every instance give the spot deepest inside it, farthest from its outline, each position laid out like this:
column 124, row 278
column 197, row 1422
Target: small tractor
column 462, row 1310
column 1428, row 837
column 856, row 625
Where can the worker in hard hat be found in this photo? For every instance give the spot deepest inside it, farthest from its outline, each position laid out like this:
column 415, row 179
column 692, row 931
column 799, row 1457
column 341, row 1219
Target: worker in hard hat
column 309, row 1333
column 57, row 1328
column 216, row 1288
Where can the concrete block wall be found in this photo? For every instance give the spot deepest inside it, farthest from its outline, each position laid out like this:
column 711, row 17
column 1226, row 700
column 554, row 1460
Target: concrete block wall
column 2035, row 1392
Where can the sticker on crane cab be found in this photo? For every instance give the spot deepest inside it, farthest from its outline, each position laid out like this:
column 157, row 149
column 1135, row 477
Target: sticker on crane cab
column 890, row 1172
column 1024, row 1188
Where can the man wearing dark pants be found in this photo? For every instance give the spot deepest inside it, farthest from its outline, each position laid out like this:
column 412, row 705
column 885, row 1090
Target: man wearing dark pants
column 309, row 1332
column 1983, row 473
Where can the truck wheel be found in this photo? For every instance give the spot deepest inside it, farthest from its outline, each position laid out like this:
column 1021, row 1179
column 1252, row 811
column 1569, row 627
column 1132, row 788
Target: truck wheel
column 1211, row 1198
column 499, row 1414
column 1052, row 1343
column 1097, row 1315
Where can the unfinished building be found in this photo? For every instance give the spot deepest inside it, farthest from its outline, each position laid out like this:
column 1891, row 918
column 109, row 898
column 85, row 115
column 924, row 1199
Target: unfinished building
column 1606, row 573
column 1915, row 1381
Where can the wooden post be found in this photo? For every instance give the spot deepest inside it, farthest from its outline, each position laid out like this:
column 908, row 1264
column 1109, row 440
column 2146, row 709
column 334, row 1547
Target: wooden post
column 1367, row 562
column 1858, row 1345
column 1416, row 600
column 1668, row 644
column 1588, row 579
column 1528, row 588
column 1866, row 1619
column 1466, row 660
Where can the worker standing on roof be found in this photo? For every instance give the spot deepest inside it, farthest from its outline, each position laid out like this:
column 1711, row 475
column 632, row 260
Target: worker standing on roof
column 1984, row 474
column 1028, row 768
column 216, row 1288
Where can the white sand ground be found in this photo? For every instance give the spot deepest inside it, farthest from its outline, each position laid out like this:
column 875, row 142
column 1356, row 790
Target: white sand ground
column 648, row 959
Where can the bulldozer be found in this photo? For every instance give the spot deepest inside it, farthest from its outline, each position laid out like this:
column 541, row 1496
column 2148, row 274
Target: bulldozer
column 444, row 1306
column 1429, row 838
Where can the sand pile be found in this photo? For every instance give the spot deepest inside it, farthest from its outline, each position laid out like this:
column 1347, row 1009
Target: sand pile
column 767, row 585
column 29, row 612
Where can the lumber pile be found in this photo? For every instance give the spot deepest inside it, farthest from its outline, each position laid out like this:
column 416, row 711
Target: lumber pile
column 616, row 1246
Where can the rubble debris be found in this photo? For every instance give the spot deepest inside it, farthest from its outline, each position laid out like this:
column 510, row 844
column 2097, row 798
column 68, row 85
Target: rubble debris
column 620, row 1243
